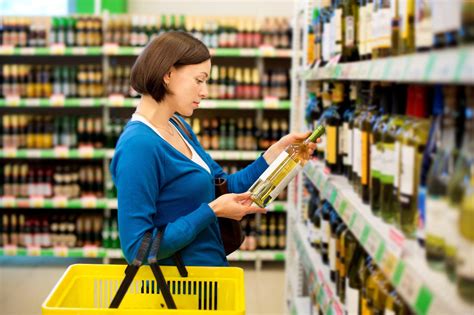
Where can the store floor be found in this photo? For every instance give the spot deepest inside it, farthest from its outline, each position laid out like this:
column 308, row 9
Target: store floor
column 25, row 282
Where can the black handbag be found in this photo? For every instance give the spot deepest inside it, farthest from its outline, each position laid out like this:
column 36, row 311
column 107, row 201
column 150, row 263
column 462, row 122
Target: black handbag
column 231, row 230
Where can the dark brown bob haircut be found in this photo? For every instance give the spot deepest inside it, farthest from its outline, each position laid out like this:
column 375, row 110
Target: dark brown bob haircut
column 165, row 51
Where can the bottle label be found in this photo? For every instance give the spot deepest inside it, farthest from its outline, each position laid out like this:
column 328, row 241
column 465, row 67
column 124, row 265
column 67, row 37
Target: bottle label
column 385, row 28
column 365, row 158
column 435, row 220
column 451, row 231
column 423, row 29
column 375, row 161
column 389, row 312
column 338, row 25
column 349, row 31
column 465, row 262
column 387, row 169
column 352, row 299
column 332, row 253
column 331, row 150
column 361, row 30
column 357, row 151
column 396, row 164
column 342, row 140
column 325, row 231
column 407, row 172
column 347, row 144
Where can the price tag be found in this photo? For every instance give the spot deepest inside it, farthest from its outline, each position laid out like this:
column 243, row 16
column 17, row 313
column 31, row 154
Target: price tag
column 397, row 241
column 373, row 242
column 61, row 251
column 28, row 51
column 110, row 48
column 444, row 67
column 57, row 49
column 348, row 214
column 89, row 202
column 36, row 202
column 7, row 50
column 8, row 201
column 116, row 100
column 33, row 153
column 209, row 104
column 465, row 69
column 233, row 155
column 86, row 102
column 271, row 102
column 246, row 104
column 247, row 52
column 389, row 262
column 61, row 152
column 79, row 50
column 57, row 100
column 137, row 50
column 267, row 51
column 10, row 152
column 33, row 102
column 10, row 250
column 33, row 250
column 378, row 70
column 358, row 226
column 409, row 286
column 417, row 68
column 86, row 151
column 91, row 251
column 12, row 100
column 60, row 202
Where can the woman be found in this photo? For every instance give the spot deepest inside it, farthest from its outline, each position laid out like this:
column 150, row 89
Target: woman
column 163, row 177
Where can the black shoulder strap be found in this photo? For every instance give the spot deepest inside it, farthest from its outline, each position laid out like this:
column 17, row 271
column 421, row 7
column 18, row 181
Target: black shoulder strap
column 182, row 126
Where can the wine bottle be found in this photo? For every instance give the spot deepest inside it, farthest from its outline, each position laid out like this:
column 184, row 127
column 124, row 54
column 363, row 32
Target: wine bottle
column 333, row 119
column 376, row 151
column 282, row 170
column 390, row 157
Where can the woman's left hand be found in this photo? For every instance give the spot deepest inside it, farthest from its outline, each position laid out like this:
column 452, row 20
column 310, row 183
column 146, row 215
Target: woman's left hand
column 272, row 152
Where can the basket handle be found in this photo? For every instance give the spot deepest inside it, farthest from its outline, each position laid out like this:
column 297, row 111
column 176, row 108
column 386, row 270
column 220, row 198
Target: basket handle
column 131, row 271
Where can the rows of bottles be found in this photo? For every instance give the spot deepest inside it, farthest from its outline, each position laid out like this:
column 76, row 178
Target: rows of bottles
column 408, row 151
column 138, row 30
column 24, row 228
column 359, row 284
column 268, row 233
column 248, row 83
column 71, row 180
column 46, row 132
column 365, row 29
column 220, row 133
column 42, row 81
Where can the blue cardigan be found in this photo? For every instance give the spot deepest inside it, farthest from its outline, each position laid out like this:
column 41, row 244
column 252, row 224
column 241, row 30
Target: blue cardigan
column 159, row 186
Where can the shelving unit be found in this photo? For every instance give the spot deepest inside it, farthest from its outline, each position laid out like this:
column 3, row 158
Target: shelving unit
column 401, row 260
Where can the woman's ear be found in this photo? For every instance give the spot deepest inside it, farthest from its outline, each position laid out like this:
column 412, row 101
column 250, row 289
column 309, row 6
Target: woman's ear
column 167, row 76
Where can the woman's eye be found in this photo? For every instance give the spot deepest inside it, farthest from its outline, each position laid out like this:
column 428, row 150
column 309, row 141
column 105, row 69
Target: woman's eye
column 199, row 81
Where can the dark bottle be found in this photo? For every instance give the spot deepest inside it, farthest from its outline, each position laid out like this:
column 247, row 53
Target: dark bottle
column 333, row 158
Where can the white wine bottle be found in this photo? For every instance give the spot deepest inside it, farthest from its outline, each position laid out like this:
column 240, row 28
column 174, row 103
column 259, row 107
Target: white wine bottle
column 285, row 167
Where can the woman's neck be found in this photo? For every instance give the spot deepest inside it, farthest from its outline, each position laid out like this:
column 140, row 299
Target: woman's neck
column 157, row 113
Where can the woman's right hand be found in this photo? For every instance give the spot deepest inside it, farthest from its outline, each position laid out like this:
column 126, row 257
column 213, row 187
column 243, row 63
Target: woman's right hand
column 234, row 206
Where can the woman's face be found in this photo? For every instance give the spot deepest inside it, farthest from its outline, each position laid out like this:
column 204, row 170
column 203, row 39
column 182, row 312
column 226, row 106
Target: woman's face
column 189, row 86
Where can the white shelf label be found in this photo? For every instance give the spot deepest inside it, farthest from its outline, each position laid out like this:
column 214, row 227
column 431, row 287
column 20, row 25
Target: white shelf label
column 79, row 50
column 57, row 100
column 36, row 202
column 233, row 155
column 91, row 251
column 61, row 152
column 57, row 49
column 9, row 152
column 12, row 100
column 89, row 202
column 409, row 286
column 86, row 152
column 33, row 250
column 7, row 50
column 86, row 102
column 60, row 202
column 8, row 201
column 271, row 102
column 209, row 104
column 10, row 250
column 267, row 51
column 61, row 251
column 137, row 51
column 34, row 102
column 29, row 51
column 110, row 49
column 247, row 52
column 116, row 100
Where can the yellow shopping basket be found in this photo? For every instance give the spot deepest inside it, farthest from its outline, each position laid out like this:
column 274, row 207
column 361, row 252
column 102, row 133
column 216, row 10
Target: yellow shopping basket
column 92, row 289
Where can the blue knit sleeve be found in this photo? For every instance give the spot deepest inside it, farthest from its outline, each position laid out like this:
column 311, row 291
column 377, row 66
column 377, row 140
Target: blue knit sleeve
column 136, row 171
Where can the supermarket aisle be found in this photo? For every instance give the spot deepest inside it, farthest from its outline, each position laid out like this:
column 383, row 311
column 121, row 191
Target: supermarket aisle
column 23, row 282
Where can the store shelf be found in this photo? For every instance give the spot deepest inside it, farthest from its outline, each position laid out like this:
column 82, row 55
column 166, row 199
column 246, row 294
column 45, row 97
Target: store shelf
column 54, row 203
column 402, row 261
column 54, row 101
column 65, row 252
column 257, row 255
column 121, row 101
column 318, row 272
column 222, row 155
column 454, row 65
column 56, row 153
column 115, row 50
column 270, row 103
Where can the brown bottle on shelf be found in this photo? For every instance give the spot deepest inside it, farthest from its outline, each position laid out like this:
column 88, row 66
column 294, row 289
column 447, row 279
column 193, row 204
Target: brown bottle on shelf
column 263, row 233
column 214, row 134
column 272, row 233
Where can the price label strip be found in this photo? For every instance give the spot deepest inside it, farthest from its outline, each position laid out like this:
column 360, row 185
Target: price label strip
column 33, row 250
column 61, row 251
column 91, row 251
